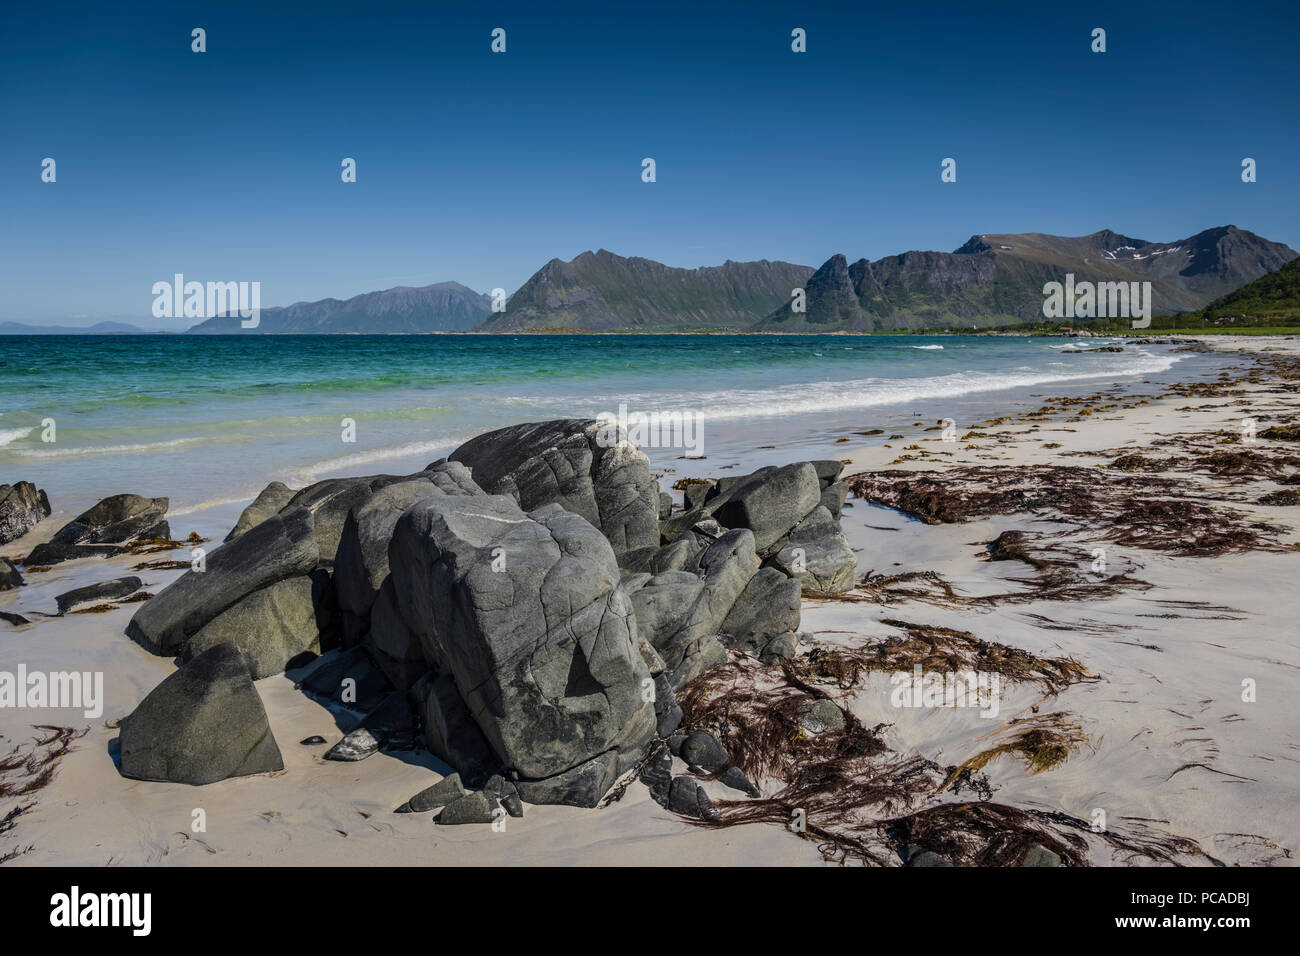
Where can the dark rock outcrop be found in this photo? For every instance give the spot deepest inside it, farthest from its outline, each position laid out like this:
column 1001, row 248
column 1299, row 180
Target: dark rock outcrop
column 583, row 466
column 525, row 614
column 271, row 625
column 22, row 507
column 268, row 501
column 794, row 514
column 107, row 526
column 276, row 549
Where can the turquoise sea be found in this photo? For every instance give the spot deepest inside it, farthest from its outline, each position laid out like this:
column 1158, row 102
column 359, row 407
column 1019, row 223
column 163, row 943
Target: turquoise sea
column 209, row 420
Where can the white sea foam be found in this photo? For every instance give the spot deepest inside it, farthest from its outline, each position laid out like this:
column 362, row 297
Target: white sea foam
column 316, row 469
column 9, row 435
column 812, row 397
column 926, row 348
column 106, row 449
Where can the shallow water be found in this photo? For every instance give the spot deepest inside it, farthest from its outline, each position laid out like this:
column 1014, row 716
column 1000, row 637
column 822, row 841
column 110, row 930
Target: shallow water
column 207, row 420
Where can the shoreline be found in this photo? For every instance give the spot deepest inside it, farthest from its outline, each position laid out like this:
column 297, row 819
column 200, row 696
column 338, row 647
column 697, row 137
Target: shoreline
column 1148, row 713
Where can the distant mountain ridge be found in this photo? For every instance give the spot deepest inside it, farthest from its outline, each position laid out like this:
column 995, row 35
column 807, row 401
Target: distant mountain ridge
column 990, row 280
column 443, row 307
column 99, row 328
column 601, row 291
column 997, row 279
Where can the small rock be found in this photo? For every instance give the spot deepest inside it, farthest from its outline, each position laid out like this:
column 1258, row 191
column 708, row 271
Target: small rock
column 1038, row 855
column 358, row 745
column 657, row 775
column 445, row 791
column 501, row 788
column 98, row 592
column 670, row 721
column 9, row 576
column 474, row 807
column 735, row 778
column 315, row 740
column 702, row 749
column 780, row 648
column 687, row 797
column 820, row 716
column 17, row 620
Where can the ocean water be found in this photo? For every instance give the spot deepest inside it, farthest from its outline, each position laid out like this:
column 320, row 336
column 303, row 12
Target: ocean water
column 209, row 420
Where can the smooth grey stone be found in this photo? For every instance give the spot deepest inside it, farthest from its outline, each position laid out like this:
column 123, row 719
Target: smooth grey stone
column 357, row 745
column 268, row 501
column 94, row 593
column 476, row 807
column 702, row 749
column 736, row 779
column 278, row 548
column 783, row 647
column 272, row 625
column 445, row 791
column 203, row 723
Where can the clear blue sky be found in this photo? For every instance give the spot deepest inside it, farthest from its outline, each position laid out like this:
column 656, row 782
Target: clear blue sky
column 480, row 167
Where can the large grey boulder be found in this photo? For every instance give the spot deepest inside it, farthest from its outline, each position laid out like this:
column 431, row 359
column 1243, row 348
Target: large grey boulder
column 272, row 625
column 22, row 507
column 817, row 554
column 583, row 466
column 361, row 562
column 769, row 502
column 269, row 501
column 278, row 548
column 526, row 614
column 769, row 606
column 203, row 723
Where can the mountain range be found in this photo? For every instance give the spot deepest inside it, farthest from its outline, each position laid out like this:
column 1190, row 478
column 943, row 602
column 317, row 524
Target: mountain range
column 600, row 291
column 99, row 328
column 998, row 279
column 444, row 307
column 990, row 280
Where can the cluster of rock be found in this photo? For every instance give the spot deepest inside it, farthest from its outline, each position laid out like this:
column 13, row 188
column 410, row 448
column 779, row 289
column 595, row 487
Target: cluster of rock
column 793, row 512
column 113, row 525
column 108, row 528
column 528, row 607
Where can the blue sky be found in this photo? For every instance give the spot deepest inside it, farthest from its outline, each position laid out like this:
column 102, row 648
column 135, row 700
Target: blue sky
column 479, row 167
